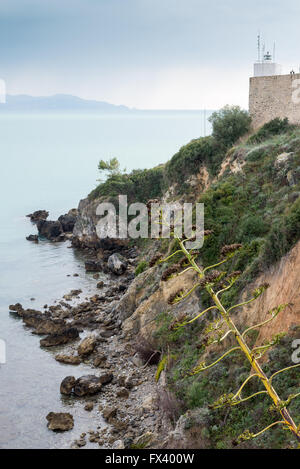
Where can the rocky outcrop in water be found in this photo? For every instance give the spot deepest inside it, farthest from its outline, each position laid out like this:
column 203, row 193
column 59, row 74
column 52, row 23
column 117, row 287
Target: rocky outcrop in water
column 38, row 215
column 67, row 335
column 60, row 421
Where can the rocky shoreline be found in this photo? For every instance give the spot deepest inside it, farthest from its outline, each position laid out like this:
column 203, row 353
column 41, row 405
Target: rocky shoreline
column 120, row 390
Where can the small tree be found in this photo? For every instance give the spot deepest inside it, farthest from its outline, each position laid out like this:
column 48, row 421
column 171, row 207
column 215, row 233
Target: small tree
column 229, row 124
column 112, row 166
column 216, row 283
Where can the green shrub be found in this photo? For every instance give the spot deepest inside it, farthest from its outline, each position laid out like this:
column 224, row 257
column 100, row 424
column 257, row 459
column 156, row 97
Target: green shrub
column 229, row 124
column 274, row 127
column 143, row 265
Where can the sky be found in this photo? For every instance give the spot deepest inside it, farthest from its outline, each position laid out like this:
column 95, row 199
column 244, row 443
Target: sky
column 149, row 54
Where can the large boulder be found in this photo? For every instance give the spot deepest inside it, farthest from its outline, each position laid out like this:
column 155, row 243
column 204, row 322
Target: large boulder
column 64, row 337
column 93, row 266
column 68, row 359
column 87, row 346
column 67, row 385
column 87, row 385
column 117, row 264
column 67, row 222
column 60, row 421
column 51, row 230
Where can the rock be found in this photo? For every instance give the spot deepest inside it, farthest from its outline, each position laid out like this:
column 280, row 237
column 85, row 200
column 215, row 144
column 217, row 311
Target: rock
column 190, row 429
column 87, row 385
column 89, row 406
column 107, row 333
column 17, row 308
column 137, row 361
column 117, row 264
column 100, row 284
column 109, row 413
column 87, row 346
column 71, row 295
column 149, row 403
column 66, row 336
column 93, row 266
column 51, row 230
column 38, row 215
column 106, row 378
column 67, row 385
column 33, row 238
column 123, row 392
column 118, row 444
column 99, row 359
column 68, row 359
column 67, row 222
column 45, row 325
column 80, row 443
column 60, row 421
column 283, row 158
column 96, row 276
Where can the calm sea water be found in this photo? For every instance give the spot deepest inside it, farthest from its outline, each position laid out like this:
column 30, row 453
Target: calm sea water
column 50, row 162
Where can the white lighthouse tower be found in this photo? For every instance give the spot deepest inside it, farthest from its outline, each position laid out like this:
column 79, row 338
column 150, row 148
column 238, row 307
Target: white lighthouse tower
column 266, row 65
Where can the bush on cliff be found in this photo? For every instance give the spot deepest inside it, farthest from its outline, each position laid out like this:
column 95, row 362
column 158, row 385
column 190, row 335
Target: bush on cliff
column 274, row 127
column 140, row 185
column 229, row 124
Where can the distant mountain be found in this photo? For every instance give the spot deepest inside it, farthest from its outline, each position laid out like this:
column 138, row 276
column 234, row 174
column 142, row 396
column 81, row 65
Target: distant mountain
column 68, row 103
column 58, row 102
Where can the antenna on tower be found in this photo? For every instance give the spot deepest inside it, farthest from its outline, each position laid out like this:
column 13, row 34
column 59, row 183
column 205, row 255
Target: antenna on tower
column 258, row 47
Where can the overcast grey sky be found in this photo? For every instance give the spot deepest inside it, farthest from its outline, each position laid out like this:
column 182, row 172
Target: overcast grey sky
column 143, row 53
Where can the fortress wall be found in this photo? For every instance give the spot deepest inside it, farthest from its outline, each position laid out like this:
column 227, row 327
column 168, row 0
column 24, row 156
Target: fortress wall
column 274, row 96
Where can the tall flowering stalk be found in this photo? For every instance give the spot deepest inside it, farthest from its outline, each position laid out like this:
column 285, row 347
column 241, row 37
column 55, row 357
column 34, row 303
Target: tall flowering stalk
column 216, row 283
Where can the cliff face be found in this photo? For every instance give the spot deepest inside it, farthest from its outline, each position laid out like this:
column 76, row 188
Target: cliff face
column 254, row 200
column 284, row 280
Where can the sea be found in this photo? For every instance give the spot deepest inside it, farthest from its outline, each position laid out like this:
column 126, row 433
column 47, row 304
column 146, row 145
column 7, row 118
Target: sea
column 49, row 161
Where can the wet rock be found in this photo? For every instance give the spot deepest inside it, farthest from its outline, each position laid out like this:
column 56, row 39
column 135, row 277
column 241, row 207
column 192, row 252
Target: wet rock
column 38, row 215
column 59, row 339
column 87, row 385
column 106, row 378
column 107, row 333
column 87, row 346
column 80, row 443
column 67, row 222
column 89, row 406
column 100, row 284
column 17, row 308
column 93, row 266
column 33, row 238
column 123, row 393
column 60, row 421
column 67, row 385
column 45, row 325
column 72, row 294
column 117, row 264
column 51, row 230
column 68, row 359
